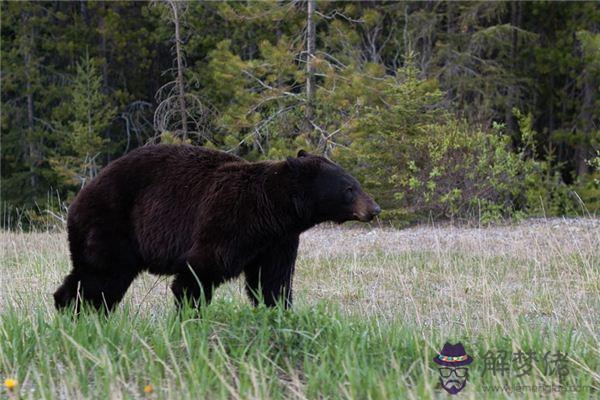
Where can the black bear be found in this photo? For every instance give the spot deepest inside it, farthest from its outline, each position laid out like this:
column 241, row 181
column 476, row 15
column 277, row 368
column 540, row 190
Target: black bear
column 204, row 216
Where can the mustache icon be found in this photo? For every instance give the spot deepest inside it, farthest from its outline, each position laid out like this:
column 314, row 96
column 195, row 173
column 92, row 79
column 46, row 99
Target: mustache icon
column 453, row 382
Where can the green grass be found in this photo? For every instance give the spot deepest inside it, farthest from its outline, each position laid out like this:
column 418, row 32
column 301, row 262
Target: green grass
column 369, row 317
column 235, row 351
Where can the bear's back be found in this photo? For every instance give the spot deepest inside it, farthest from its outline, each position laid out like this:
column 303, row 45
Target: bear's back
column 165, row 166
column 150, row 195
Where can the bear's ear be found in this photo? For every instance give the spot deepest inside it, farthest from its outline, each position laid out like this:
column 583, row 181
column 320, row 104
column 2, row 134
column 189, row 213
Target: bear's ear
column 302, row 153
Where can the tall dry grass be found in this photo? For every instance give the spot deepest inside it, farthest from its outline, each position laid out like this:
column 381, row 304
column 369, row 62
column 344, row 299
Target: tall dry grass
column 536, row 284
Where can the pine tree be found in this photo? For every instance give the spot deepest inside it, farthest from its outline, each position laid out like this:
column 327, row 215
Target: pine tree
column 78, row 157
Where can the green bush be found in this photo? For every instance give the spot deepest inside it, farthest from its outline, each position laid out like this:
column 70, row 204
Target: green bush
column 587, row 191
column 420, row 161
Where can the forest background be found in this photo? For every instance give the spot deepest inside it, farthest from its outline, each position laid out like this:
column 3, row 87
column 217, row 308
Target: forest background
column 468, row 111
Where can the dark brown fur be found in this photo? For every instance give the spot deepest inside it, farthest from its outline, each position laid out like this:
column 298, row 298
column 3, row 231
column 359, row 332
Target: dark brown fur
column 204, row 216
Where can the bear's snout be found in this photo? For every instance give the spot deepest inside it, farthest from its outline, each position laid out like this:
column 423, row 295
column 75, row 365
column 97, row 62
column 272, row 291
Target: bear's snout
column 376, row 210
column 365, row 208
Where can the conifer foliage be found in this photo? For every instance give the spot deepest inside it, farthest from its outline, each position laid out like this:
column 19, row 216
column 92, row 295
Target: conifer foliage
column 444, row 109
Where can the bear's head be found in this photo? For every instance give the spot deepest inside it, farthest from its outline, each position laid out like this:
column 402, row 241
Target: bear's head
column 328, row 193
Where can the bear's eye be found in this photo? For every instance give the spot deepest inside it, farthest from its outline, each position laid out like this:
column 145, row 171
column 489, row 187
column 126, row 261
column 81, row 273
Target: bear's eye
column 349, row 194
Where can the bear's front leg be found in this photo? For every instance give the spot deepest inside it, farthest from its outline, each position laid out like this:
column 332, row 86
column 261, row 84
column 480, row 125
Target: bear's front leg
column 195, row 281
column 269, row 276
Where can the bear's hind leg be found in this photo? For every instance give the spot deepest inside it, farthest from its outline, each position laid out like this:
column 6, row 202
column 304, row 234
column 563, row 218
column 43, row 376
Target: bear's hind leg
column 68, row 292
column 104, row 265
column 102, row 290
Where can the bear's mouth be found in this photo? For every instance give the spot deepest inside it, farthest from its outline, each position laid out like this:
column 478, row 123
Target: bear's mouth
column 363, row 217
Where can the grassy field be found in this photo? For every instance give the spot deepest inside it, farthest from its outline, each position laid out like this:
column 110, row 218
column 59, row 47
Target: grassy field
column 372, row 308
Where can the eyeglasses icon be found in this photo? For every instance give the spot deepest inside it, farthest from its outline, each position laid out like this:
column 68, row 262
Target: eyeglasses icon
column 445, row 372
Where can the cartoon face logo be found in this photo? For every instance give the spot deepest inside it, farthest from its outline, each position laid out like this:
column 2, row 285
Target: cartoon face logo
column 453, row 361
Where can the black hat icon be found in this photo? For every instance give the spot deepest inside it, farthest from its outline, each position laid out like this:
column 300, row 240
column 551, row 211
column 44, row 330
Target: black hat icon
column 453, row 355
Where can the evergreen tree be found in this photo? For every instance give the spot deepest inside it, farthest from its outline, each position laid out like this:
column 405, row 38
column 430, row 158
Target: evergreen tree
column 237, row 77
column 82, row 140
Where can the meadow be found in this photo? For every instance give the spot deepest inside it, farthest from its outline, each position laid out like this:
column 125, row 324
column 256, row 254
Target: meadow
column 373, row 306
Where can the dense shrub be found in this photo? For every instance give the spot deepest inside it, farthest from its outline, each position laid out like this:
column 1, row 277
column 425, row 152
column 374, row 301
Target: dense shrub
column 420, row 161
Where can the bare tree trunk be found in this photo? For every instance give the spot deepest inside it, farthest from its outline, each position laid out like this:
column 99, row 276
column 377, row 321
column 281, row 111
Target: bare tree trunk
column 587, row 107
column 407, row 48
column 84, row 11
column 103, row 48
column 451, row 92
column 30, row 121
column 514, row 8
column 310, row 73
column 180, row 82
column 29, row 139
column 449, row 18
